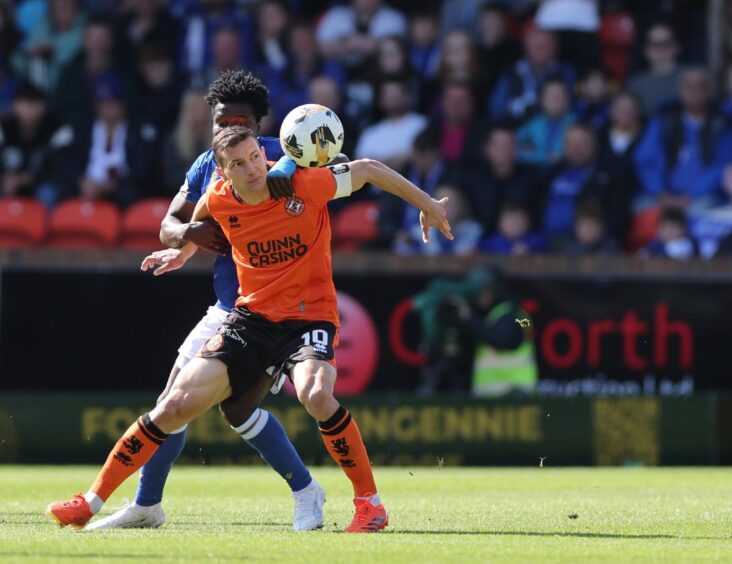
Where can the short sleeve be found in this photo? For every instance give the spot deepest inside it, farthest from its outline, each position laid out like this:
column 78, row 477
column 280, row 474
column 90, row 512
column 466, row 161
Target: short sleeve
column 198, row 176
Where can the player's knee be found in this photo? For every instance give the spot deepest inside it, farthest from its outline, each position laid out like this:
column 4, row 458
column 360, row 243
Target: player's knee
column 318, row 402
column 172, row 410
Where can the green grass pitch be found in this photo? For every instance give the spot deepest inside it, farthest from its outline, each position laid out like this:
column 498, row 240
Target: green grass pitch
column 437, row 515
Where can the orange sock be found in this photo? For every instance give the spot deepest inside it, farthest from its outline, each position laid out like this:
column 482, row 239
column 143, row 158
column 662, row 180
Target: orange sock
column 131, row 452
column 344, row 443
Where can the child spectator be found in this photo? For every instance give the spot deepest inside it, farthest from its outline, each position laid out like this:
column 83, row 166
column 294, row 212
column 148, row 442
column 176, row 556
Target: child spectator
column 590, row 236
column 593, row 102
column 673, row 240
column 465, row 230
column 541, row 139
column 514, row 235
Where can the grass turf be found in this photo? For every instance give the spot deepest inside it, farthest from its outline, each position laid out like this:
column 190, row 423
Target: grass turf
column 437, row 515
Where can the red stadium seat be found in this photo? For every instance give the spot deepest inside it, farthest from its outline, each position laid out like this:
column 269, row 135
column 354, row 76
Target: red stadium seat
column 643, row 228
column 355, row 226
column 23, row 222
column 617, row 36
column 141, row 224
column 84, row 224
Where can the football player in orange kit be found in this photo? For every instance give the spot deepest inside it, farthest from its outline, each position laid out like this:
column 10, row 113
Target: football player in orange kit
column 286, row 315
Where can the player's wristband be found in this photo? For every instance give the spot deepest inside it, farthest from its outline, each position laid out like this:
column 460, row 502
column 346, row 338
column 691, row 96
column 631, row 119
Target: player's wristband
column 284, row 168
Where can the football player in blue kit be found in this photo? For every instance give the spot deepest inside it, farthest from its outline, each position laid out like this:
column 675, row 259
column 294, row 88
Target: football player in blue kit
column 236, row 98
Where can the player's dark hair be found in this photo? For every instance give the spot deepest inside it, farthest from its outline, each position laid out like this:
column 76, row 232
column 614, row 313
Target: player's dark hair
column 229, row 137
column 239, row 87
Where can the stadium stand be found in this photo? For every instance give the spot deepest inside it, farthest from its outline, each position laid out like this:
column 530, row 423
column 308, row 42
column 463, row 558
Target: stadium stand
column 84, row 224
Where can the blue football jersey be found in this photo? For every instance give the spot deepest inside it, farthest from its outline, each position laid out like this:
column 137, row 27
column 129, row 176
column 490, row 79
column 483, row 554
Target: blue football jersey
column 202, row 171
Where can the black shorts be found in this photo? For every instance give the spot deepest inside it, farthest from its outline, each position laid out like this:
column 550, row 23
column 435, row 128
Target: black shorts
column 250, row 344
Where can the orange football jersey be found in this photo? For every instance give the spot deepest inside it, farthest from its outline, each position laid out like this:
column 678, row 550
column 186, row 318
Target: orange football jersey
column 282, row 248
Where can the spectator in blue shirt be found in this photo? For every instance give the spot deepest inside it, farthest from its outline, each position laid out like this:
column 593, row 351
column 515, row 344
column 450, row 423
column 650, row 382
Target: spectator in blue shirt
column 514, row 235
column 679, row 160
column 593, row 102
column 673, row 240
column 580, row 176
column 541, row 139
column 517, row 93
column 466, row 230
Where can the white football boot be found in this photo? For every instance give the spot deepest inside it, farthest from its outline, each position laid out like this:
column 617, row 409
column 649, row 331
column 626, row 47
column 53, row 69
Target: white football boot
column 131, row 516
column 309, row 507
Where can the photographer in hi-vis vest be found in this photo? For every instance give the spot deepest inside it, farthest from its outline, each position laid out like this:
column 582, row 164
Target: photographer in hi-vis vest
column 475, row 338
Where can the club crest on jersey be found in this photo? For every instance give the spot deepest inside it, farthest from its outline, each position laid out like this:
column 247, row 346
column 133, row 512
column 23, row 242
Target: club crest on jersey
column 294, row 206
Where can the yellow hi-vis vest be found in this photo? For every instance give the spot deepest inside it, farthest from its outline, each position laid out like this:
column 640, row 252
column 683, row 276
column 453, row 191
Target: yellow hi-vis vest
column 498, row 372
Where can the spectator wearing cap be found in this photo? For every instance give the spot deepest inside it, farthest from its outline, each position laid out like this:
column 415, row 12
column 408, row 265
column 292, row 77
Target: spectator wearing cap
column 52, row 43
column 517, row 93
column 116, row 158
column 72, row 99
column 658, row 85
column 349, row 33
column 32, row 148
column 680, row 158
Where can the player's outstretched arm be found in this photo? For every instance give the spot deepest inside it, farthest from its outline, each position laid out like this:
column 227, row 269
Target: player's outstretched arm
column 432, row 212
column 174, row 258
column 177, row 228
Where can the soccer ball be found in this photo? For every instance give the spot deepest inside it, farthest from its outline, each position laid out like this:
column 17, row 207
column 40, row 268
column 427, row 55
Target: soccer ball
column 311, row 135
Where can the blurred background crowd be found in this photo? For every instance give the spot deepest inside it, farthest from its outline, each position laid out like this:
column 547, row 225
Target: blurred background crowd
column 554, row 126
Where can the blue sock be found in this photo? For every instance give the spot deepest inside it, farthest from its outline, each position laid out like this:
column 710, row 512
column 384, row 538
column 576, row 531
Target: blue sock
column 154, row 474
column 264, row 433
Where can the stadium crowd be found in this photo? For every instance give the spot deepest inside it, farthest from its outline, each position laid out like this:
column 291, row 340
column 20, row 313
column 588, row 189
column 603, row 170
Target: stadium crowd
column 571, row 126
